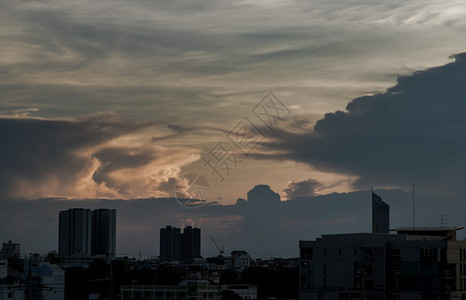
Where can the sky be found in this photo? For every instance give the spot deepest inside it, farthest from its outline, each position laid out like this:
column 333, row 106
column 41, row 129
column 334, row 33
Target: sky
column 116, row 103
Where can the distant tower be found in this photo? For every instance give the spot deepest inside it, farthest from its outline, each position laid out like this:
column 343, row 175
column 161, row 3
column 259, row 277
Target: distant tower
column 74, row 236
column 380, row 215
column 104, row 232
column 191, row 242
column 170, row 243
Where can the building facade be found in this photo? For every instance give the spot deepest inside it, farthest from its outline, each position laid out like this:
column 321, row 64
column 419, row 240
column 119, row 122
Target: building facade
column 190, row 243
column 47, row 280
column 407, row 265
column 245, row 291
column 103, row 232
column 186, row 290
column 170, row 243
column 75, row 229
column 10, row 250
column 84, row 233
column 12, row 282
column 240, row 260
column 380, row 215
column 175, row 245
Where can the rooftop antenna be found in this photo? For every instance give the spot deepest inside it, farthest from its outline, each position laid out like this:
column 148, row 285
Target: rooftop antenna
column 414, row 210
column 442, row 220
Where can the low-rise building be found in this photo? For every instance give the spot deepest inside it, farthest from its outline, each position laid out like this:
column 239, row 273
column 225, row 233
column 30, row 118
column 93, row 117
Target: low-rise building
column 245, row 291
column 12, row 282
column 416, row 263
column 10, row 250
column 48, row 280
column 240, row 260
column 191, row 289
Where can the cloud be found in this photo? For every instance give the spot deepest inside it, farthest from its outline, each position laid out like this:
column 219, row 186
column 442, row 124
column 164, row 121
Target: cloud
column 68, row 59
column 415, row 132
column 262, row 229
column 305, row 188
column 94, row 156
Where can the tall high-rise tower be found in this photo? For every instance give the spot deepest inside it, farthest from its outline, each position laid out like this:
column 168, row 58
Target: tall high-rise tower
column 104, row 232
column 74, row 237
column 170, row 243
column 380, row 215
column 191, row 242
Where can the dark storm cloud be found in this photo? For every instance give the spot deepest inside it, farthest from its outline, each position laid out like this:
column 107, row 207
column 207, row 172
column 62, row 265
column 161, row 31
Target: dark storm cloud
column 41, row 157
column 414, row 132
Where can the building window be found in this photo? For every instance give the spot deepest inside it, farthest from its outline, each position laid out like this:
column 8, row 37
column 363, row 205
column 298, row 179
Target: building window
column 325, row 251
column 429, row 255
column 306, row 253
column 339, row 251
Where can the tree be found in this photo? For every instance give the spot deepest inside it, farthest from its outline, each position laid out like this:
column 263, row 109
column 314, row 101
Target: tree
column 230, row 295
column 52, row 257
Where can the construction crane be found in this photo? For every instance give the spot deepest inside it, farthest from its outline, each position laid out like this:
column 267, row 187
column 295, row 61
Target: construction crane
column 220, row 250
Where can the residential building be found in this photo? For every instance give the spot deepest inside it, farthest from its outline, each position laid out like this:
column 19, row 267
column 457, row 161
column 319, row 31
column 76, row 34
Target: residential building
column 12, row 282
column 240, row 260
column 175, row 245
column 84, row 233
column 170, row 243
column 190, row 243
column 416, row 263
column 48, row 280
column 3, row 268
column 191, row 289
column 103, row 232
column 245, row 291
column 10, row 251
column 75, row 229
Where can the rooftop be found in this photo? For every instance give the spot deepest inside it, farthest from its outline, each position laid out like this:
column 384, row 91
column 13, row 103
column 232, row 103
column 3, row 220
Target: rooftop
column 448, row 233
column 424, row 229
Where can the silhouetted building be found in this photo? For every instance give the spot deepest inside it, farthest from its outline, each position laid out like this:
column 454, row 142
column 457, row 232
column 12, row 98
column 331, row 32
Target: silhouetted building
column 245, row 291
column 47, row 280
column 384, row 266
column 10, row 250
column 380, row 215
column 12, row 282
column 170, row 243
column 240, row 260
column 192, row 289
column 191, row 243
column 74, row 238
column 415, row 263
column 104, row 232
column 175, row 245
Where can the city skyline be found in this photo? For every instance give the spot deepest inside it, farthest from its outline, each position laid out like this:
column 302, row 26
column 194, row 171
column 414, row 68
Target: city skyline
column 349, row 213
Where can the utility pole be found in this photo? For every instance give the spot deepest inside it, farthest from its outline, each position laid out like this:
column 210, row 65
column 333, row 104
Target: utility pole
column 363, row 284
column 29, row 287
column 442, row 220
column 111, row 279
column 414, row 210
